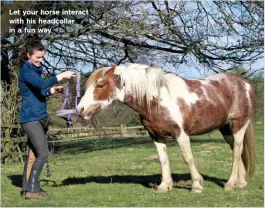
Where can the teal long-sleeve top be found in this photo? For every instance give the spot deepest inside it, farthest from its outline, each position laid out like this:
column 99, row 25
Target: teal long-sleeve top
column 33, row 90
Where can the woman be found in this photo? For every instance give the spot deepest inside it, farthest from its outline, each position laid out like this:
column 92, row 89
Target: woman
column 33, row 114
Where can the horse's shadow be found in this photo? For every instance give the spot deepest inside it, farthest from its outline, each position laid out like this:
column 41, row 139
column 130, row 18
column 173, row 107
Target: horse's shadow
column 148, row 181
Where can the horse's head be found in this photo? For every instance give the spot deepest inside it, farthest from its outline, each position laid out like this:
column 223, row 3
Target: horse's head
column 101, row 90
column 140, row 82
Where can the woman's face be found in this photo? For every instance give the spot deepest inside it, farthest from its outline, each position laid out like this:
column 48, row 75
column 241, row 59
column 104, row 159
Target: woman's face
column 36, row 58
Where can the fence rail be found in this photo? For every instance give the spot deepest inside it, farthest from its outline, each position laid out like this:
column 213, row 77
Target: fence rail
column 13, row 142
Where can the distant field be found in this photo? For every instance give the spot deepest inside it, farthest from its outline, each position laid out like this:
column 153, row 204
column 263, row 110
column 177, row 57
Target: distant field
column 122, row 172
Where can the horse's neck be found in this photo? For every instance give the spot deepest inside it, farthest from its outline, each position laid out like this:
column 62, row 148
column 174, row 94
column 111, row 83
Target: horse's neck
column 133, row 104
column 149, row 113
column 165, row 92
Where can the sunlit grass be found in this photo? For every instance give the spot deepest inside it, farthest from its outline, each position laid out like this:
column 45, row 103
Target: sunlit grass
column 119, row 172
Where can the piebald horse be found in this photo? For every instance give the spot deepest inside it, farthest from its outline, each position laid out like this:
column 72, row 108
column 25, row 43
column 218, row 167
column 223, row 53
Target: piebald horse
column 176, row 108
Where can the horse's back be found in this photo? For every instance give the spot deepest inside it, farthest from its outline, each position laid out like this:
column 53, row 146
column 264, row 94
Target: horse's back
column 209, row 103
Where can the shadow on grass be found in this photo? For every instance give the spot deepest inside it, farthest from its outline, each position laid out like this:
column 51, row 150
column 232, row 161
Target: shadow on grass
column 148, row 181
column 17, row 181
column 83, row 146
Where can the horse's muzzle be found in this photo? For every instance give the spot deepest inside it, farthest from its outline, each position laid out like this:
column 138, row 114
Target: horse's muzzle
column 90, row 111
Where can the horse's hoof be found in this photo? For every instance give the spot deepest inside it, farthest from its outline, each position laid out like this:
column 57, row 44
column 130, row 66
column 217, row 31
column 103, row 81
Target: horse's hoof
column 196, row 190
column 161, row 191
column 197, row 186
column 229, row 187
column 241, row 185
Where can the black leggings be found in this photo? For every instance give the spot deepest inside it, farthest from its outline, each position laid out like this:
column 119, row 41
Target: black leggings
column 37, row 142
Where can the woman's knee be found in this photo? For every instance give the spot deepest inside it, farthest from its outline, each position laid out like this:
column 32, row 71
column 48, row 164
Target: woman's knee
column 43, row 156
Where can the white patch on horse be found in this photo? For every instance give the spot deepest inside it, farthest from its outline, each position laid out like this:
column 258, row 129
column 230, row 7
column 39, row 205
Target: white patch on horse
column 169, row 99
column 120, row 94
column 205, row 84
column 205, row 94
column 170, row 103
column 248, row 87
column 179, row 89
column 215, row 77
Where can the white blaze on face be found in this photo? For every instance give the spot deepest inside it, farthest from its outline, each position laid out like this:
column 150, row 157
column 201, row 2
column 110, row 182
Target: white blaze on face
column 87, row 100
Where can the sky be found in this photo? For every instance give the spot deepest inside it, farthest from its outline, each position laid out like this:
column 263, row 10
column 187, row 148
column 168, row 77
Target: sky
column 191, row 71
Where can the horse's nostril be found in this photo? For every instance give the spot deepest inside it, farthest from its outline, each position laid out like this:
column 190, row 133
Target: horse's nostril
column 80, row 111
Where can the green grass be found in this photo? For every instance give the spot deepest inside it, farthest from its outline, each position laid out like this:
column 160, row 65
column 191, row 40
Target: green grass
column 120, row 172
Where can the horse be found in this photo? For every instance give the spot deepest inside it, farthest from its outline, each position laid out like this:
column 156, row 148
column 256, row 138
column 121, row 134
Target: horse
column 171, row 107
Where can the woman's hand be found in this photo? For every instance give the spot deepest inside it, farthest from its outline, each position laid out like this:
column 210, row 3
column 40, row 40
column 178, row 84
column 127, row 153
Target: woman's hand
column 65, row 75
column 57, row 89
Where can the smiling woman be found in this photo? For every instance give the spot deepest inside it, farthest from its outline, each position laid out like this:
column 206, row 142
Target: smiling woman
column 33, row 115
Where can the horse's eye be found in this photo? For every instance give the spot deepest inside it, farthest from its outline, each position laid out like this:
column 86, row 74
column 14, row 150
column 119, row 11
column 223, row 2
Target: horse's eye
column 99, row 86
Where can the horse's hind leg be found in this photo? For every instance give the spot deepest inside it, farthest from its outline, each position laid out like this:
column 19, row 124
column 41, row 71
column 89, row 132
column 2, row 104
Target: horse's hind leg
column 229, row 138
column 237, row 164
column 197, row 180
column 167, row 182
column 241, row 180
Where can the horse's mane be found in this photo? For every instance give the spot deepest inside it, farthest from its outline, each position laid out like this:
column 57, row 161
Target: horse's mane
column 142, row 82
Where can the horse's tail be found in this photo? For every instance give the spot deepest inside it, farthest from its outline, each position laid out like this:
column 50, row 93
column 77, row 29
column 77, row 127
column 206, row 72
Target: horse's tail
column 249, row 150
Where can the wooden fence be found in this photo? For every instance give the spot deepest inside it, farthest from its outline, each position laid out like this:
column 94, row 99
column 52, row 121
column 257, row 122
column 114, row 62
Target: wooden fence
column 13, row 141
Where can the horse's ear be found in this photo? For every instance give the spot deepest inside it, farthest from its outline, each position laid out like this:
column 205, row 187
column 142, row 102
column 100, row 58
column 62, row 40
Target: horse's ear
column 100, row 67
column 111, row 70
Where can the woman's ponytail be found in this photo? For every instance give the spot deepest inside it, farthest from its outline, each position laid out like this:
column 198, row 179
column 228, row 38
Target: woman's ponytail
column 31, row 44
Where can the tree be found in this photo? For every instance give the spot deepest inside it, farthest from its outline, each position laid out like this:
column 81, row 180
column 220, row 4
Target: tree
column 10, row 104
column 258, row 82
column 212, row 34
column 218, row 36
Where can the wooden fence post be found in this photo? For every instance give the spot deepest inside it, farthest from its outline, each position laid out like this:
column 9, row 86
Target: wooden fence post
column 121, row 130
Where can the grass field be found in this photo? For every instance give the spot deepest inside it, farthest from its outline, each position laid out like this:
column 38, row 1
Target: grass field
column 123, row 172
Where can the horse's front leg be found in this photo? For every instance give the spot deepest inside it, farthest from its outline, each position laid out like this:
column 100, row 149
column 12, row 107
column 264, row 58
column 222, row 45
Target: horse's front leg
column 197, row 180
column 167, row 182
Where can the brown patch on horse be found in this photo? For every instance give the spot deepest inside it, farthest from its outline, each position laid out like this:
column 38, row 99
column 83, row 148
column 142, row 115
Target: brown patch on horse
column 202, row 117
column 194, row 86
column 159, row 125
column 94, row 77
column 209, row 112
column 107, row 85
column 241, row 110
